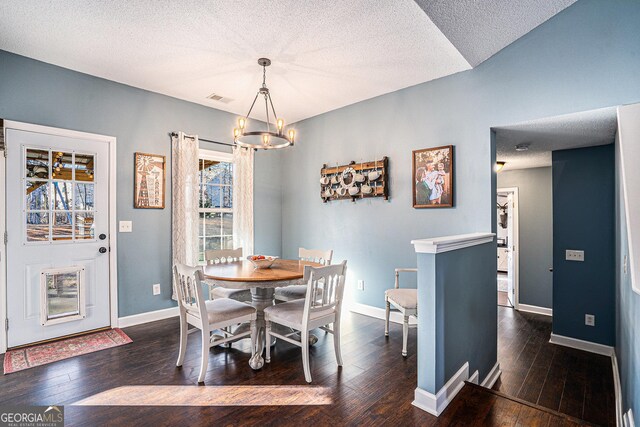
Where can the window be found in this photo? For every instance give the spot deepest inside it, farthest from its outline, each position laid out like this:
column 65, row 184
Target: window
column 215, row 227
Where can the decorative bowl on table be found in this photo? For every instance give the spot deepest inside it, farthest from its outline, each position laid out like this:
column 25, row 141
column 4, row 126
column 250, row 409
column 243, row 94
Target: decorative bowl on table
column 262, row 261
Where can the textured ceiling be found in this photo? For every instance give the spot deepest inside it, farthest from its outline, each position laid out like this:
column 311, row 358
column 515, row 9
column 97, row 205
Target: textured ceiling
column 584, row 129
column 479, row 29
column 326, row 54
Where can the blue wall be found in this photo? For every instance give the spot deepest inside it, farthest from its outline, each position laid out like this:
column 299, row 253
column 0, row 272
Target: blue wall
column 628, row 312
column 586, row 57
column 457, row 320
column 35, row 92
column 536, row 232
column 584, row 219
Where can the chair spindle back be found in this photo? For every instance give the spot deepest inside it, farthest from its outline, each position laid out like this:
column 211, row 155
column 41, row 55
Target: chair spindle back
column 315, row 255
column 331, row 280
column 189, row 289
column 223, row 256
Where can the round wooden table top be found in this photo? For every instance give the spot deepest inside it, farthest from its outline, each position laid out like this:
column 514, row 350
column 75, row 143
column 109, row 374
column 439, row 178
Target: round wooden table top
column 243, row 271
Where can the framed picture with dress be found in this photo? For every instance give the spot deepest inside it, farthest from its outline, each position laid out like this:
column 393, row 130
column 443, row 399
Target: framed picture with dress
column 149, row 182
column 433, row 177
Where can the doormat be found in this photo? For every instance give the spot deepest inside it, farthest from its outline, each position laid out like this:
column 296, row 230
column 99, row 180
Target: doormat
column 41, row 354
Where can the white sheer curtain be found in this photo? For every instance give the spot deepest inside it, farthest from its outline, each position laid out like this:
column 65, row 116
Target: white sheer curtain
column 184, row 206
column 243, row 199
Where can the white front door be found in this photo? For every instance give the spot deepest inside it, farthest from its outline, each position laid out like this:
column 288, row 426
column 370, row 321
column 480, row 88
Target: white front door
column 57, row 203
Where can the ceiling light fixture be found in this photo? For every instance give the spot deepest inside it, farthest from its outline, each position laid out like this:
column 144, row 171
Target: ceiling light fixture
column 276, row 135
column 523, row 147
column 499, row 166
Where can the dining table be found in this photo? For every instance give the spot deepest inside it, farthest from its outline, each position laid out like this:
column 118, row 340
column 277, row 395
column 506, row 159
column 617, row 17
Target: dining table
column 262, row 282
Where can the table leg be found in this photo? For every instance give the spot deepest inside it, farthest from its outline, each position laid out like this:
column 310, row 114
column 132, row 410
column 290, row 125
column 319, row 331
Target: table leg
column 312, row 338
column 261, row 298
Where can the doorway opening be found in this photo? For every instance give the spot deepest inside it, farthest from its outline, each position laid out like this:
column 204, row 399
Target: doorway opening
column 525, row 154
column 507, row 239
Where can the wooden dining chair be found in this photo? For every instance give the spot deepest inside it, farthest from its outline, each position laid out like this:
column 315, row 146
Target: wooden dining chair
column 290, row 293
column 208, row 315
column 315, row 310
column 405, row 301
column 221, row 257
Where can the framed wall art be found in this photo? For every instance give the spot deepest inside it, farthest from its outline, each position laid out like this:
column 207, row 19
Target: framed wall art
column 433, row 177
column 149, row 183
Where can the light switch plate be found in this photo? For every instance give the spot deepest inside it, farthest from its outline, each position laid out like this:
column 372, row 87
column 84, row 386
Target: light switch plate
column 126, row 226
column 361, row 285
column 574, row 255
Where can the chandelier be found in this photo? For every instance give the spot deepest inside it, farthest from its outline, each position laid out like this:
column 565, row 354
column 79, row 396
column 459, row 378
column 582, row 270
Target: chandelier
column 274, row 136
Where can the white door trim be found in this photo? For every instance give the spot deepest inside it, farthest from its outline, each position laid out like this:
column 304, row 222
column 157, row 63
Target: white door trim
column 113, row 255
column 3, row 255
column 515, row 245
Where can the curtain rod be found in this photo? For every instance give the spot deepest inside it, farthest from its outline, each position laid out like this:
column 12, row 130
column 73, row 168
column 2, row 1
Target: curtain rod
column 206, row 140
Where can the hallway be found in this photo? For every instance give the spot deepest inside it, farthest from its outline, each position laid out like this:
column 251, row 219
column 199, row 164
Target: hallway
column 574, row 382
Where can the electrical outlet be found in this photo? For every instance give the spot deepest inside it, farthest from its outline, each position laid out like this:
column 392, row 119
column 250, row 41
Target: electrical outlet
column 573, row 255
column 156, row 289
column 625, row 264
column 126, row 226
column 361, row 285
column 590, row 319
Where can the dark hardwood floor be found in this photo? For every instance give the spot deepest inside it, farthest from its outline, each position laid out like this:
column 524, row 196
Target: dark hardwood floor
column 375, row 386
column 567, row 380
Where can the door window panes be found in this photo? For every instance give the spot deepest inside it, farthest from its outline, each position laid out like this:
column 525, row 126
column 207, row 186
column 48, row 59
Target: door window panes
column 37, row 164
column 62, row 165
column 84, row 226
column 59, row 195
column 37, row 193
column 84, row 196
column 84, row 166
column 62, row 226
column 62, row 195
column 37, row 226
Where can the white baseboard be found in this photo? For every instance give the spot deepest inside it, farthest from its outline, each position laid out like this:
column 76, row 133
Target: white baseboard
column 535, row 309
column 435, row 404
column 475, row 377
column 151, row 316
column 379, row 313
column 628, row 419
column 617, row 388
column 582, row 345
column 492, row 376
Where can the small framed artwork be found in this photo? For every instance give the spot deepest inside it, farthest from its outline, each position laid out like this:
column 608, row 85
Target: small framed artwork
column 433, row 177
column 149, row 183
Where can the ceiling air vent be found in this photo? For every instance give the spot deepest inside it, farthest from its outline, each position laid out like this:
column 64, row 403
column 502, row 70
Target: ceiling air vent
column 216, row 97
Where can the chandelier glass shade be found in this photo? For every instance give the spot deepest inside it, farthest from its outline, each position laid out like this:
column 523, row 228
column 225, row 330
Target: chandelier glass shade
column 273, row 135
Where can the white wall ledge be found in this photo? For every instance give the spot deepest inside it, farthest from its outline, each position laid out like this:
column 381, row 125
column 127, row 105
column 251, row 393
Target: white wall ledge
column 436, row 245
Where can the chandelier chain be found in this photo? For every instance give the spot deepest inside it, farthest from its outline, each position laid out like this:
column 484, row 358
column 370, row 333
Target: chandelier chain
column 264, row 76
